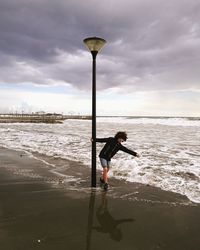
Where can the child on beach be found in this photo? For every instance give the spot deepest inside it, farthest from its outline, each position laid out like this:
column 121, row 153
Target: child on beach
column 112, row 146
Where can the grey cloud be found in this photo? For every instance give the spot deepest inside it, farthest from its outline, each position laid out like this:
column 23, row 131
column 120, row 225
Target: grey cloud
column 151, row 44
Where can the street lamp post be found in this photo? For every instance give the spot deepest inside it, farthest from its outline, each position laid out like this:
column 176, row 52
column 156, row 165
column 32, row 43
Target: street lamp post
column 94, row 44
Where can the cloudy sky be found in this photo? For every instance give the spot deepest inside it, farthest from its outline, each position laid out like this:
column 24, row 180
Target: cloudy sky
column 149, row 66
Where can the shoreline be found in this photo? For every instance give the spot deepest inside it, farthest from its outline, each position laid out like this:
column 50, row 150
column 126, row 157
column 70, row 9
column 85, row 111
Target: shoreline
column 74, row 172
column 38, row 211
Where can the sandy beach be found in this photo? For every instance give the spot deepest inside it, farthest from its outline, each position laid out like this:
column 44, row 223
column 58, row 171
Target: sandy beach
column 38, row 210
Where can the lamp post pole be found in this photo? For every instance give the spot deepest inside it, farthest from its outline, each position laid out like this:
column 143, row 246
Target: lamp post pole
column 94, row 44
column 94, row 54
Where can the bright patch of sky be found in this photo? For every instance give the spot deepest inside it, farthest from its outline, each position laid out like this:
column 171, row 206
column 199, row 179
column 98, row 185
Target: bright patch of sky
column 62, row 99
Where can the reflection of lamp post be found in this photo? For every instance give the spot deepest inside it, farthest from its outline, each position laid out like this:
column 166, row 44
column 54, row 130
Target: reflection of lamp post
column 94, row 44
column 90, row 219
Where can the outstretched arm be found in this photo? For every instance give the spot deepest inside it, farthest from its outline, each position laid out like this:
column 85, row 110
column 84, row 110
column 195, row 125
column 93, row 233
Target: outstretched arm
column 102, row 139
column 124, row 149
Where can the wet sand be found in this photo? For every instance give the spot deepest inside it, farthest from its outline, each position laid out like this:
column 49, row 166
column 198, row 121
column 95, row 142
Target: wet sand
column 40, row 209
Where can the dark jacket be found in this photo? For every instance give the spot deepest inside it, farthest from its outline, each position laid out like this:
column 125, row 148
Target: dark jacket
column 111, row 147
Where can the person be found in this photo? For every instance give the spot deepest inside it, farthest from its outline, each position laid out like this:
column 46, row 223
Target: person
column 112, row 146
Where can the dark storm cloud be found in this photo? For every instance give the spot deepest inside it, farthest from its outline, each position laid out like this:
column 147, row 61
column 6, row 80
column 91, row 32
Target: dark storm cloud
column 151, row 44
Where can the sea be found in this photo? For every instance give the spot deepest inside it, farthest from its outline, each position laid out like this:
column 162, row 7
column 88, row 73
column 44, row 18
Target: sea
column 169, row 148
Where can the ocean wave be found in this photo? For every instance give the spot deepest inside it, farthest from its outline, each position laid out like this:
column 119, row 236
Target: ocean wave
column 169, row 154
column 152, row 120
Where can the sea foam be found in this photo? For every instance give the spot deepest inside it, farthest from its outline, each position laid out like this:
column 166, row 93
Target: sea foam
column 169, row 148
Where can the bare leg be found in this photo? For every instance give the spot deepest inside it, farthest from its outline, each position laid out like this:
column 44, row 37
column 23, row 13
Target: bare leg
column 105, row 174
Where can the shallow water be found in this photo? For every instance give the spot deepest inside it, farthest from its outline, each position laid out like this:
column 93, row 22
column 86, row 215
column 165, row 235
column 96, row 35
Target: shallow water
column 169, row 148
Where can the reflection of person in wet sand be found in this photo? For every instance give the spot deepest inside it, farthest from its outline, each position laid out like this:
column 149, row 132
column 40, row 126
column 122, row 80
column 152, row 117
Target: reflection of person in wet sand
column 107, row 223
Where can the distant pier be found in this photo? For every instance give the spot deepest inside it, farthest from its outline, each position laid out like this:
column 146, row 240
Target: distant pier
column 39, row 118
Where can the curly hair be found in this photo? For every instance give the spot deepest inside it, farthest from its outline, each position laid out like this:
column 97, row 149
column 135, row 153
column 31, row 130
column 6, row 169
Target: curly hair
column 121, row 135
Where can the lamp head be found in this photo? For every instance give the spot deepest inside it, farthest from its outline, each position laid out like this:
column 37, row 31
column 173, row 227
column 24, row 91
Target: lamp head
column 94, row 43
